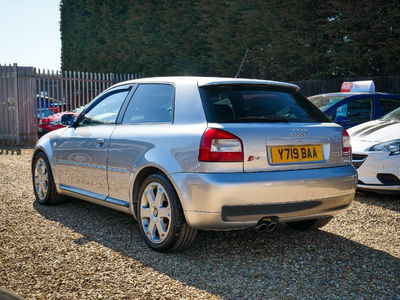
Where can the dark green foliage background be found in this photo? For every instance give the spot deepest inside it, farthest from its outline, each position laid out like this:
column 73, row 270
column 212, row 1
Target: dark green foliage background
column 286, row 40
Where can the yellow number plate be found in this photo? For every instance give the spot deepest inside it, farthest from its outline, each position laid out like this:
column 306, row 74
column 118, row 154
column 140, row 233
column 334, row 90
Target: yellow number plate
column 292, row 154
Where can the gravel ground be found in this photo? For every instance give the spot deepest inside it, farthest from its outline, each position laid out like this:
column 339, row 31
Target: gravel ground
column 77, row 250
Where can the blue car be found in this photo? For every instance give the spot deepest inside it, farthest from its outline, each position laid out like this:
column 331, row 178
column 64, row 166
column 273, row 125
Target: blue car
column 352, row 108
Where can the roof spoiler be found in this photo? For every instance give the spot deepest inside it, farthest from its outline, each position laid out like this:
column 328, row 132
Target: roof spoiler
column 251, row 82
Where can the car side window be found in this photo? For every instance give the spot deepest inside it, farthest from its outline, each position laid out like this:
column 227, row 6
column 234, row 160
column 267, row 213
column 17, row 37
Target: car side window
column 151, row 103
column 359, row 110
column 106, row 111
column 389, row 104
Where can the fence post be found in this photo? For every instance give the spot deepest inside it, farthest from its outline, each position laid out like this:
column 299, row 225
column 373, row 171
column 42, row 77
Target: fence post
column 17, row 120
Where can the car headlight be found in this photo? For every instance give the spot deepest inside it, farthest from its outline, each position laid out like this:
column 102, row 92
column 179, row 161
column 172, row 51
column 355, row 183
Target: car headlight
column 393, row 147
column 54, row 123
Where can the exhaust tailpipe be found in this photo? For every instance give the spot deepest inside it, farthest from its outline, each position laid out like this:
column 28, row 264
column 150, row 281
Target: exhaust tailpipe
column 266, row 225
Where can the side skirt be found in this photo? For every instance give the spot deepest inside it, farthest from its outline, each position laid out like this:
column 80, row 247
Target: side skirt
column 98, row 199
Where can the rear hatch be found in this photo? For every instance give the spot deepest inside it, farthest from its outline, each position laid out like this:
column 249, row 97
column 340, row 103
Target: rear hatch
column 278, row 128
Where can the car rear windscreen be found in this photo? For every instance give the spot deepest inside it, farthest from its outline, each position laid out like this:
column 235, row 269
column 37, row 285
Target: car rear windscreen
column 249, row 104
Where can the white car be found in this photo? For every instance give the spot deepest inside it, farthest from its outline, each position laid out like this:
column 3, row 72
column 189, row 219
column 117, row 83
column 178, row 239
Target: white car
column 376, row 153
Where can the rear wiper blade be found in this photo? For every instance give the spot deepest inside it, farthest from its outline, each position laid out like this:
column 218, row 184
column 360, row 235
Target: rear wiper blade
column 265, row 118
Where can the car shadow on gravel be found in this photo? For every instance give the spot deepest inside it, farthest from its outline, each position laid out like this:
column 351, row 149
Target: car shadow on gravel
column 391, row 202
column 245, row 263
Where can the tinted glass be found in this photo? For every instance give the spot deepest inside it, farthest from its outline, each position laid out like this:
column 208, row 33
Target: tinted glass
column 359, row 110
column 151, row 103
column 389, row 104
column 106, row 111
column 227, row 104
column 392, row 116
column 324, row 102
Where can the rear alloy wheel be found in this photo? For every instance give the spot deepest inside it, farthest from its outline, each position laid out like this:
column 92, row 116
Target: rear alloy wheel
column 160, row 216
column 43, row 182
column 308, row 225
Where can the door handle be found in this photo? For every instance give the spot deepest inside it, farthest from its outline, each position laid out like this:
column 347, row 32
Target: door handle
column 100, row 141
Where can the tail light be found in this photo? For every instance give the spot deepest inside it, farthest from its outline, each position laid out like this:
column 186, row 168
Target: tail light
column 346, row 148
column 220, row 146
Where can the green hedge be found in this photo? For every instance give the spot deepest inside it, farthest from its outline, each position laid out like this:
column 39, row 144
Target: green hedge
column 286, row 40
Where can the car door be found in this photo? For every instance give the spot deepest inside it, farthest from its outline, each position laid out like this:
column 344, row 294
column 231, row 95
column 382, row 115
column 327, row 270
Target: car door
column 143, row 127
column 81, row 150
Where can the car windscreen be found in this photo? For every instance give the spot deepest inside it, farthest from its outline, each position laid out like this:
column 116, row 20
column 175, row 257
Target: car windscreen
column 392, row 116
column 249, row 104
column 324, row 102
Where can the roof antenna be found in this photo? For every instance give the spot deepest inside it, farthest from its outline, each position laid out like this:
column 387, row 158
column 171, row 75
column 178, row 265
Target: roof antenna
column 241, row 64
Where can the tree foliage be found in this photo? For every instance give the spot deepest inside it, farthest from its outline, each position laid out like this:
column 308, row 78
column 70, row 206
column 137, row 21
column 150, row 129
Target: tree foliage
column 286, row 40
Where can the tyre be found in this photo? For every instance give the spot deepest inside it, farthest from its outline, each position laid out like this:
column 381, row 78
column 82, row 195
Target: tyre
column 160, row 216
column 43, row 181
column 308, row 225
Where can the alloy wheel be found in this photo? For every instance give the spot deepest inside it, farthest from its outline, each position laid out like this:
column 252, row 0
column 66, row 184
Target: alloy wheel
column 41, row 179
column 155, row 212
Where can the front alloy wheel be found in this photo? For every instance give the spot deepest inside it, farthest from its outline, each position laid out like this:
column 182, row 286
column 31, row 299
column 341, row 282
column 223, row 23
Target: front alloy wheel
column 41, row 179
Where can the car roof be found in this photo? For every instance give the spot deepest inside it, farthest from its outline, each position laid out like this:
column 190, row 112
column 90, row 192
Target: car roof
column 210, row 81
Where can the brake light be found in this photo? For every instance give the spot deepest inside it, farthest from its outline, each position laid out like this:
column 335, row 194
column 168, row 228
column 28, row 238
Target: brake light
column 346, row 148
column 220, row 146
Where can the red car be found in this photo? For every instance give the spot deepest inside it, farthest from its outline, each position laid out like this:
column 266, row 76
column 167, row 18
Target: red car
column 55, row 121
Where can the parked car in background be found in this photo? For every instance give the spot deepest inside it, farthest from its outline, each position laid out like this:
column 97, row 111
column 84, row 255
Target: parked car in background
column 376, row 153
column 356, row 103
column 188, row 153
column 56, row 121
column 46, row 106
column 43, row 112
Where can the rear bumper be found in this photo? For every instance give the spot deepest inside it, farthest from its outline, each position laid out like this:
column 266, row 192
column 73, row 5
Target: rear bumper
column 238, row 200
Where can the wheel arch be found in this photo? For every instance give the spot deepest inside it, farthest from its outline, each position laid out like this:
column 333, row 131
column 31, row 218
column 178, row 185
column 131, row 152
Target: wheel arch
column 140, row 177
column 38, row 150
column 46, row 149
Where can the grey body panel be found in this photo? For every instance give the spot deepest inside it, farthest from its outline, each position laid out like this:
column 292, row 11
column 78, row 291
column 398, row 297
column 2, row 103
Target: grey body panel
column 81, row 158
column 171, row 148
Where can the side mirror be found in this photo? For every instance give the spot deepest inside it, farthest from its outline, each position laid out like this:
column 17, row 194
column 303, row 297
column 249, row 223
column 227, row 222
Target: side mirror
column 341, row 119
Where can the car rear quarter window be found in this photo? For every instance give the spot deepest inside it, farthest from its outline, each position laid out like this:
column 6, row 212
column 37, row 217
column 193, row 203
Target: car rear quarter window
column 246, row 104
column 151, row 103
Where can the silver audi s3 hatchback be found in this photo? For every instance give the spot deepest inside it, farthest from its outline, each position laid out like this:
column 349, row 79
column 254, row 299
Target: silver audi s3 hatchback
column 187, row 153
